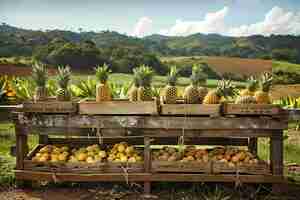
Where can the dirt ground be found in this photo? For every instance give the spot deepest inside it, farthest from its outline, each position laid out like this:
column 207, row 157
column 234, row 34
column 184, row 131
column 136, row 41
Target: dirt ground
column 162, row 192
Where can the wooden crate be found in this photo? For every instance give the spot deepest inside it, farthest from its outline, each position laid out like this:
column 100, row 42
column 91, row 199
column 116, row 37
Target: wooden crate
column 182, row 109
column 179, row 166
column 80, row 167
column 251, row 109
column 50, row 106
column 118, row 107
column 261, row 168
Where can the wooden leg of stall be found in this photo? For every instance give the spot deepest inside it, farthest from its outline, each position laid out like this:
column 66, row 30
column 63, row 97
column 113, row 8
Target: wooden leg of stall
column 147, row 163
column 252, row 146
column 21, row 152
column 276, row 158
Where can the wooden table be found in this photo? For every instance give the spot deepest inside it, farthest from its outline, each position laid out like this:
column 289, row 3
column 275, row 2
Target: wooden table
column 148, row 130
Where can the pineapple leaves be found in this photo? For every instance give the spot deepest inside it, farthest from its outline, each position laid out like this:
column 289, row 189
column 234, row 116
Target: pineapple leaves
column 39, row 74
column 102, row 73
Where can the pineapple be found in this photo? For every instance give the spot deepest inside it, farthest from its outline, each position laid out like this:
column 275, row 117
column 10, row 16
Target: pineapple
column 202, row 93
column 262, row 96
column 63, row 94
column 133, row 92
column 40, row 76
column 191, row 93
column 224, row 89
column 145, row 75
column 251, row 87
column 103, row 92
column 170, row 91
column 247, row 95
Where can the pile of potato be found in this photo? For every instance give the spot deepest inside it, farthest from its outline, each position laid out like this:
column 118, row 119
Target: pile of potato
column 193, row 154
column 123, row 152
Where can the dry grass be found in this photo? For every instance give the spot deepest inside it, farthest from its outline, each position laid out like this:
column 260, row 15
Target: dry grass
column 279, row 91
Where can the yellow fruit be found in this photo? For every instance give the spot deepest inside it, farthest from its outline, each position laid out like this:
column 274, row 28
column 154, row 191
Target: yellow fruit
column 235, row 159
column 138, row 158
column 38, row 154
column 65, row 148
column 262, row 97
column 90, row 160
column 132, row 160
column 98, row 158
column 62, row 157
column 102, row 154
column 129, row 150
column 123, row 159
column 82, row 156
column 54, row 156
column 121, row 148
column 35, row 159
column 43, row 159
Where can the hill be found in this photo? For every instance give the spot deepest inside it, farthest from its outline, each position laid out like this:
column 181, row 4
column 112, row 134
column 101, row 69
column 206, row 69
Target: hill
column 19, row 42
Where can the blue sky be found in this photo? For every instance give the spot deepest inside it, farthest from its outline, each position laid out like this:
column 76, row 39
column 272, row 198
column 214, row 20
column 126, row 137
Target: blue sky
column 168, row 17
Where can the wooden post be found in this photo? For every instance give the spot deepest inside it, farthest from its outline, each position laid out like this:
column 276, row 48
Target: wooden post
column 276, row 157
column 21, row 150
column 252, row 146
column 147, row 163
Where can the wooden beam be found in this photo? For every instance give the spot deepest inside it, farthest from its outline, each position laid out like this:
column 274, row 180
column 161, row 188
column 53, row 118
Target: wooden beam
column 142, row 177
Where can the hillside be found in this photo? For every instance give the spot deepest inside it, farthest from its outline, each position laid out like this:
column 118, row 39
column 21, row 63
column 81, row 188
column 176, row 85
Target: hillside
column 15, row 42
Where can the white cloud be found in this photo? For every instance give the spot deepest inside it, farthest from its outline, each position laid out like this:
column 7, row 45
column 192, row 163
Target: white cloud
column 142, row 27
column 212, row 23
column 276, row 21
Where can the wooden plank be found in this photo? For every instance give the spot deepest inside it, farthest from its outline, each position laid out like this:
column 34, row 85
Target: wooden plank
column 151, row 122
column 50, row 107
column 118, row 107
column 21, row 146
column 141, row 177
column 138, row 140
column 147, row 163
column 276, row 153
column 191, row 109
column 253, row 145
column 43, row 139
column 251, row 109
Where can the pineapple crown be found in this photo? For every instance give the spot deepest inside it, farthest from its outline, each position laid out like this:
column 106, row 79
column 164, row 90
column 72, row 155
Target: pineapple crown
column 266, row 81
column 64, row 76
column 39, row 74
column 145, row 74
column 172, row 76
column 136, row 80
column 102, row 73
column 226, row 89
column 252, row 83
column 197, row 75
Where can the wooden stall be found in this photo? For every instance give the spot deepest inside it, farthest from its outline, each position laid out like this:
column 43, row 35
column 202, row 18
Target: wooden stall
column 233, row 128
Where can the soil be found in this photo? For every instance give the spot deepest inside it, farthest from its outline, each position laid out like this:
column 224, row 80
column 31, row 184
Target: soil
column 162, row 192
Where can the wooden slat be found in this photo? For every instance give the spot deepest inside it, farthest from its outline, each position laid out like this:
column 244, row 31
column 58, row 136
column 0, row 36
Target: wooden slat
column 50, row 107
column 118, row 107
column 141, row 177
column 251, row 109
column 276, row 153
column 158, row 141
column 190, row 109
column 158, row 122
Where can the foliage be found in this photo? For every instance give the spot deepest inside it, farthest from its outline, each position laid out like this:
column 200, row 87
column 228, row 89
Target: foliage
column 39, row 74
column 102, row 73
column 119, row 91
column 24, row 89
column 84, row 88
column 286, row 73
column 288, row 102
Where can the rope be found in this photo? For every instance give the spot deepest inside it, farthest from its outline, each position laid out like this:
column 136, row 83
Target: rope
column 126, row 174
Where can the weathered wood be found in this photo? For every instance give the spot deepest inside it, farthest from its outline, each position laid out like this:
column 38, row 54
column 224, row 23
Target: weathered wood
column 147, row 163
column 191, row 109
column 21, row 146
column 181, row 167
column 141, row 177
column 138, row 140
column 151, row 122
column 51, row 106
column 251, row 109
column 43, row 139
column 276, row 153
column 118, row 107
column 253, row 145
column 261, row 168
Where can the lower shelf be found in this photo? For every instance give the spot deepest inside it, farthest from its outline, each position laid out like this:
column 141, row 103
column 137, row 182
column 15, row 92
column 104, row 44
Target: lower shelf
column 145, row 177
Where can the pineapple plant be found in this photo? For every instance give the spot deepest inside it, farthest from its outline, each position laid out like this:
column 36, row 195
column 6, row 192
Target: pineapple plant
column 64, row 74
column 40, row 77
column 133, row 92
column 145, row 75
column 170, row 91
column 247, row 95
column 262, row 95
column 224, row 89
column 191, row 93
column 103, row 92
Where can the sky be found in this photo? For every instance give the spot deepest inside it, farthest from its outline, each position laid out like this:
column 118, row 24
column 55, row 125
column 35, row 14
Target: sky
column 167, row 17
